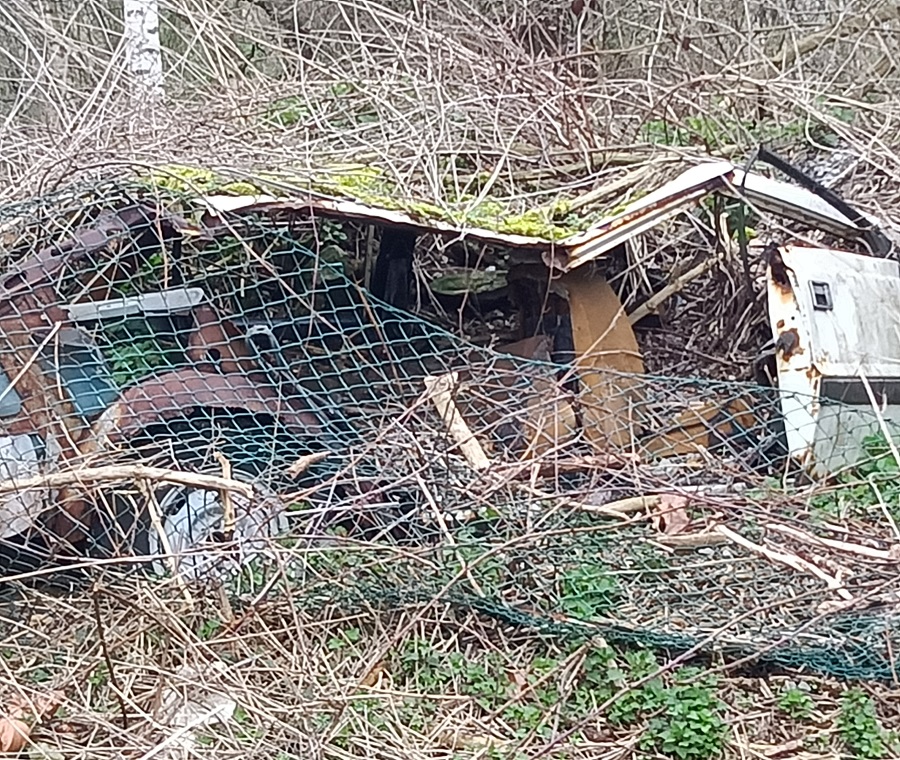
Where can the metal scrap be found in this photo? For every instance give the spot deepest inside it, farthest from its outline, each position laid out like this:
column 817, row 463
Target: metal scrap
column 180, row 392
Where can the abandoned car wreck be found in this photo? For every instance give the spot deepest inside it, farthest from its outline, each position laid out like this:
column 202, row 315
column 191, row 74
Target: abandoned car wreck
column 224, row 337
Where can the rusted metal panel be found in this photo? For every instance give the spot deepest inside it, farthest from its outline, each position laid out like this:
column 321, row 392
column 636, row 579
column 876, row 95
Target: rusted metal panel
column 550, row 418
column 798, row 379
column 672, row 198
column 687, row 189
column 647, row 212
column 217, row 344
column 705, row 426
column 176, row 394
column 608, row 361
column 352, row 210
column 849, row 303
column 143, row 227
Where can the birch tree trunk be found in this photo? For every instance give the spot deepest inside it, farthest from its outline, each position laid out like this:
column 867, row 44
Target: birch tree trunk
column 143, row 51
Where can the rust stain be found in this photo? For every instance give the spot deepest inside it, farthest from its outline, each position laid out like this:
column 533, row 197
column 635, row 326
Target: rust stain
column 216, row 344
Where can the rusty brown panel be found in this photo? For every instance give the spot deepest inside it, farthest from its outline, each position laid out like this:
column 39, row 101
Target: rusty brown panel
column 537, row 348
column 496, row 401
column 605, row 345
column 701, row 427
column 218, row 344
column 45, row 411
column 551, row 420
column 177, row 394
column 147, row 226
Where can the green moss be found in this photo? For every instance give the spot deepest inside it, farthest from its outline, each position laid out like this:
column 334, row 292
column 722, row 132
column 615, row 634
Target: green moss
column 189, row 180
column 372, row 186
column 458, row 283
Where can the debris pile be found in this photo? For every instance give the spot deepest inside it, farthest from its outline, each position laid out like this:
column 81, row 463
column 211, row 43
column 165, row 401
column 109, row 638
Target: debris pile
column 190, row 383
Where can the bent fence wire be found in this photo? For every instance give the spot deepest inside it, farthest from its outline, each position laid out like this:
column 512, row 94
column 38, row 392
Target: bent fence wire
column 337, row 427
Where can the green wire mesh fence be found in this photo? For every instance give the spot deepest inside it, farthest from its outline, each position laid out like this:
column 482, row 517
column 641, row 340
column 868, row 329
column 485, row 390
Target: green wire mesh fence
column 193, row 398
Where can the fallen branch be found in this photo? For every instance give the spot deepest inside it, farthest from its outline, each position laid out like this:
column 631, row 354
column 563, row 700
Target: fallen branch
column 113, row 473
column 891, row 555
column 677, row 285
column 552, row 468
column 691, row 540
column 440, row 390
column 791, row 560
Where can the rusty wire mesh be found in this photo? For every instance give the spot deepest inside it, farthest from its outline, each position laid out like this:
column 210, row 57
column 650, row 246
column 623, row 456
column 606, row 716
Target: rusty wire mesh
column 254, row 360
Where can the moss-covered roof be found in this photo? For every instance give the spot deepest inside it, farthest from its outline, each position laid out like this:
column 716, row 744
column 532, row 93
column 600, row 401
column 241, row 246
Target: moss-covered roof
column 551, row 220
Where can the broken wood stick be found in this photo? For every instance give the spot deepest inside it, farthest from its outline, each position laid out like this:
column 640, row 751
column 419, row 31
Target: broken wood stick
column 111, row 473
column 626, row 506
column 678, row 284
column 229, row 514
column 440, row 389
column 692, row 540
column 890, row 555
column 303, row 463
column 791, row 560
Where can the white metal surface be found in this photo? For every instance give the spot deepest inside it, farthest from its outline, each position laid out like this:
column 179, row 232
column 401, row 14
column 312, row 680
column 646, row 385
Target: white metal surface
column 791, row 201
column 646, row 213
column 862, row 329
column 23, row 456
column 163, row 302
column 193, row 516
column 824, row 350
column 769, row 195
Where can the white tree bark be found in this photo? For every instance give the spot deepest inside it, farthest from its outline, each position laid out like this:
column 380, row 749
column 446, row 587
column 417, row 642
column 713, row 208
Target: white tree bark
column 143, row 50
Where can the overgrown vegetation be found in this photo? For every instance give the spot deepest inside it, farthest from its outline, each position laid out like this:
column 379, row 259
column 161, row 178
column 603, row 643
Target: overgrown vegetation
column 861, row 729
column 499, row 115
column 871, row 484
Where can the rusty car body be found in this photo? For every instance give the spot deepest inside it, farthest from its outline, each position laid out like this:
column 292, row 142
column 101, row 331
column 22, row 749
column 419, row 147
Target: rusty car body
column 59, row 406
column 816, row 362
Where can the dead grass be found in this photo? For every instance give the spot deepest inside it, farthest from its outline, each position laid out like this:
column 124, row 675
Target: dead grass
column 324, row 682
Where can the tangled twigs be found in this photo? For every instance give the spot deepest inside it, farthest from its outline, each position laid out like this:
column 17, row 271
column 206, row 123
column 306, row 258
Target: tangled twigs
column 113, row 473
column 791, row 560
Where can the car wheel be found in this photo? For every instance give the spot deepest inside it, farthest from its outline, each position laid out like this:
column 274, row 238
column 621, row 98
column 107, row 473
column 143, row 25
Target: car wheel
column 182, row 529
